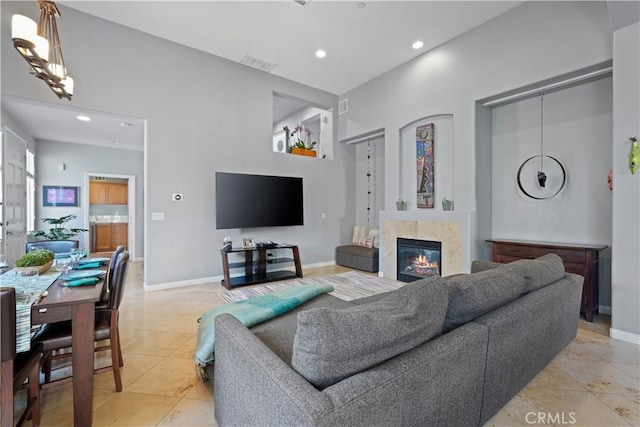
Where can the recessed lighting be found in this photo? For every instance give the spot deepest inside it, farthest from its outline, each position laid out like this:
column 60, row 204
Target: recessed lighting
column 362, row 5
column 126, row 124
column 83, row 118
column 417, row 44
column 321, row 53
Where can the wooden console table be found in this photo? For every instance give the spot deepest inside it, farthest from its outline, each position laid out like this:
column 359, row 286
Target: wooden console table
column 578, row 259
column 256, row 269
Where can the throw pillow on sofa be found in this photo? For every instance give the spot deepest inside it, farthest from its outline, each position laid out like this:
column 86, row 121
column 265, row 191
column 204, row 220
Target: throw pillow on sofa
column 472, row 295
column 333, row 344
column 538, row 272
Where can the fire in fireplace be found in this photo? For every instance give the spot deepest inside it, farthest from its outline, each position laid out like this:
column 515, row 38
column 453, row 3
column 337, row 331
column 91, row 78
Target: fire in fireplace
column 418, row 259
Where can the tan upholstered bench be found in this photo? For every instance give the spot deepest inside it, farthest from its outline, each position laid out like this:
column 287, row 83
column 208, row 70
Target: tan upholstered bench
column 358, row 257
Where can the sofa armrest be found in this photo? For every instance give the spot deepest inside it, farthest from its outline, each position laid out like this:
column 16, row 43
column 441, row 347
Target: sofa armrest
column 254, row 387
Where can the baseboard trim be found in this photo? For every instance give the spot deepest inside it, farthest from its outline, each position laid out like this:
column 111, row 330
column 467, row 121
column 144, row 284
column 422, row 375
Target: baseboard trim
column 603, row 309
column 217, row 279
column 319, row 264
column 624, row 336
column 182, row 283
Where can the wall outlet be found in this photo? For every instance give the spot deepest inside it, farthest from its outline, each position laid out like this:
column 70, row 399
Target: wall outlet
column 176, row 197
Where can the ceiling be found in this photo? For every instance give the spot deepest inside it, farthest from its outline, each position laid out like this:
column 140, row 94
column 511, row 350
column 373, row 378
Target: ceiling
column 362, row 40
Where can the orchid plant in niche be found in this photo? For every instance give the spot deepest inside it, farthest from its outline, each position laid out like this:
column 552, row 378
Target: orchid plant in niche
column 301, row 135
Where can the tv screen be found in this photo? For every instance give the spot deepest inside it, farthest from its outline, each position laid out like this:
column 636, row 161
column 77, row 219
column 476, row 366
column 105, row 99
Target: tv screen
column 244, row 201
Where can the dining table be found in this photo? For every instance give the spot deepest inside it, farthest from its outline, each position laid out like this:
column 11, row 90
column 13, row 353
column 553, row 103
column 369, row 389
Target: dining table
column 60, row 303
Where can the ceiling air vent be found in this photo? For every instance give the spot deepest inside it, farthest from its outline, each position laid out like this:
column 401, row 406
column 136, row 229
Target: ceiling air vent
column 343, row 106
column 259, row 64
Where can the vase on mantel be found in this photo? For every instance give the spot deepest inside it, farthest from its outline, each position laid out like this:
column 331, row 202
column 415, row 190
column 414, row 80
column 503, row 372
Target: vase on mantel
column 304, row 152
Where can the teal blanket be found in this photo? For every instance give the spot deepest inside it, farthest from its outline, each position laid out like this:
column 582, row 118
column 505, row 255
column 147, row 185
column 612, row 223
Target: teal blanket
column 251, row 312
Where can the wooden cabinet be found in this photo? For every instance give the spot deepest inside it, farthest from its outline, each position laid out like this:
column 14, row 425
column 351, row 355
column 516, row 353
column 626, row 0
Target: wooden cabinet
column 108, row 193
column 103, row 237
column 109, row 235
column 577, row 259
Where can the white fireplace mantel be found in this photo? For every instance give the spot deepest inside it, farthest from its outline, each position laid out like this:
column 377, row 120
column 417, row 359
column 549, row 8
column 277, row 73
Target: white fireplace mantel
column 456, row 231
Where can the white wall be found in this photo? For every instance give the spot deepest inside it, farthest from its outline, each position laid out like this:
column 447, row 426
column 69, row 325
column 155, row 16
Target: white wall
column 81, row 159
column 625, row 315
column 204, row 114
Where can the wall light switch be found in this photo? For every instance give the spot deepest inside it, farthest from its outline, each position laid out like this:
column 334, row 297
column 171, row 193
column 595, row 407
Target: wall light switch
column 323, row 215
column 157, row 216
column 176, row 197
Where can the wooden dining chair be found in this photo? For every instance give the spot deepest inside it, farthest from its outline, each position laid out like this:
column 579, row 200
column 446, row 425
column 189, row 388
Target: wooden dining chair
column 108, row 283
column 103, row 304
column 16, row 368
column 55, row 246
column 57, row 336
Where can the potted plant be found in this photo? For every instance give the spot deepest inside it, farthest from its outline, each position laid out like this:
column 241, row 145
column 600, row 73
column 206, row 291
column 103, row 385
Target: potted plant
column 58, row 231
column 302, row 144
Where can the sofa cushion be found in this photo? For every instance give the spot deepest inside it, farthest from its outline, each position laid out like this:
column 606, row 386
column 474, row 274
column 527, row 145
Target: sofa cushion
column 333, row 344
column 472, row 295
column 538, row 272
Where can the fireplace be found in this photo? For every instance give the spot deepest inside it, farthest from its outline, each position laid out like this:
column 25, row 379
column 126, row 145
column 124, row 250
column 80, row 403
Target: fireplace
column 418, row 259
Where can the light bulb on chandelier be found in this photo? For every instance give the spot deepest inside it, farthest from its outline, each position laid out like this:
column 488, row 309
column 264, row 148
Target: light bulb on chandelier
column 39, row 45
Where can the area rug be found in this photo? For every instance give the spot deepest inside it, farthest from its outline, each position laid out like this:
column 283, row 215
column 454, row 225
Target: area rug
column 348, row 286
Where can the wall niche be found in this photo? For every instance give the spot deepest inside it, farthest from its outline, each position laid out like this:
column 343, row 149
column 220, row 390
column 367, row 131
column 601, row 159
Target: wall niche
column 290, row 111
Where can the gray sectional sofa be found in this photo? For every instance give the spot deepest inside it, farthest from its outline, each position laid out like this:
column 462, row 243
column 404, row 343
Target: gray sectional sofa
column 437, row 352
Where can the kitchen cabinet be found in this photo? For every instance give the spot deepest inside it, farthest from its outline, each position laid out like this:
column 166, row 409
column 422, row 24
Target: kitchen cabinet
column 110, row 235
column 108, row 193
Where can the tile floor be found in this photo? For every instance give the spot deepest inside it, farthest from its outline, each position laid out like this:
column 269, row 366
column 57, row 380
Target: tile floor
column 593, row 382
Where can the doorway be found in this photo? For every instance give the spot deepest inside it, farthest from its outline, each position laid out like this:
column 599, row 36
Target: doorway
column 110, row 212
column 13, row 219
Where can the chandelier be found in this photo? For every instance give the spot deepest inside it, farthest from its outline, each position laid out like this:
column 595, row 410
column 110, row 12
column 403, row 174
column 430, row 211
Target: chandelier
column 40, row 46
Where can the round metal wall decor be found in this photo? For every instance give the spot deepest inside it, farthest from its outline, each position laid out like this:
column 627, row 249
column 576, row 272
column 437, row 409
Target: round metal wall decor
column 530, row 182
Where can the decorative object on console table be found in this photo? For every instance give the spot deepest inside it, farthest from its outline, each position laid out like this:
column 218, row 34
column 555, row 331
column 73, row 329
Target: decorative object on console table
column 425, row 163
column 577, row 259
column 248, row 243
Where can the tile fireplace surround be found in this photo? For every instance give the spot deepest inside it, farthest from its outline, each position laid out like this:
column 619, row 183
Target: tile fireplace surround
column 453, row 229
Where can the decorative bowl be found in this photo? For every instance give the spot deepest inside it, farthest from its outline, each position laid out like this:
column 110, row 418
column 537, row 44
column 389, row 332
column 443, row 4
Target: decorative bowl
column 41, row 268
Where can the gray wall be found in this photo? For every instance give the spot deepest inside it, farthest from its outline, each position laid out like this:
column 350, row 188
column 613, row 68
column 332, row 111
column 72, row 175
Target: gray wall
column 375, row 164
column 79, row 160
column 530, row 43
column 204, row 114
column 625, row 316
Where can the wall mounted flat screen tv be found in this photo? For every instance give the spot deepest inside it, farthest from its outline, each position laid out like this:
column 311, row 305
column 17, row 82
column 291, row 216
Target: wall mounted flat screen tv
column 245, row 201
